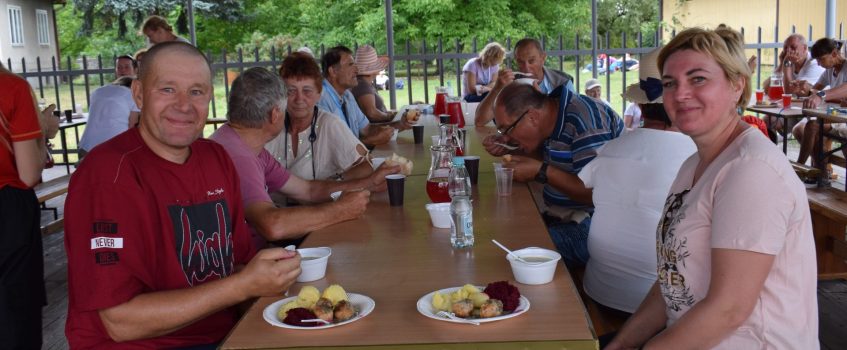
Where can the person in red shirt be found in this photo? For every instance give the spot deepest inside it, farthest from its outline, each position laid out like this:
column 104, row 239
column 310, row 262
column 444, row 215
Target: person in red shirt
column 22, row 293
column 158, row 248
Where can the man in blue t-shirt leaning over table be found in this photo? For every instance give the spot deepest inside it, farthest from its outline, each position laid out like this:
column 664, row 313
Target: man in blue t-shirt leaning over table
column 580, row 126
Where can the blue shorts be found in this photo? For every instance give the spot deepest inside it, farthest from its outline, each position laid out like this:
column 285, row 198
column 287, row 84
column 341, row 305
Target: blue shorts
column 571, row 240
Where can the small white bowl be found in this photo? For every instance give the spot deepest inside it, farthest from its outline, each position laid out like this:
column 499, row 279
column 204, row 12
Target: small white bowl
column 313, row 263
column 439, row 213
column 534, row 272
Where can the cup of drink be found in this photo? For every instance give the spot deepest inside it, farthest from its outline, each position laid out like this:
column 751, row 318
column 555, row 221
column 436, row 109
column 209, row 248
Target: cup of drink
column 396, row 183
column 417, row 132
column 504, row 181
column 786, row 101
column 69, row 115
column 472, row 164
column 760, row 97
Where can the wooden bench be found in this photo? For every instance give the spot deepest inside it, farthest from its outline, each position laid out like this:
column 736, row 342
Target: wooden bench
column 46, row 191
column 829, row 222
column 804, row 171
column 604, row 320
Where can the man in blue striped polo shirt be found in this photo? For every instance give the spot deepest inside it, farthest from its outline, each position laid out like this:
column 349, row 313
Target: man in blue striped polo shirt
column 557, row 135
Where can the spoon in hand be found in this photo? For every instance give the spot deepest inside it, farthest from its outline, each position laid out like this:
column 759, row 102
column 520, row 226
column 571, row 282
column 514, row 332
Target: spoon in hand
column 506, row 146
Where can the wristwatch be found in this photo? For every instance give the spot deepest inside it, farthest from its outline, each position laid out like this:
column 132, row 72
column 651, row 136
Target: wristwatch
column 821, row 94
column 541, row 177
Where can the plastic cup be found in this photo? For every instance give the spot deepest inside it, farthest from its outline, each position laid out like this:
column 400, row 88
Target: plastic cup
column 313, row 263
column 439, row 214
column 69, row 116
column 435, row 139
column 472, row 164
column 396, row 184
column 760, row 97
column 497, row 165
column 504, row 181
column 417, row 131
column 786, row 101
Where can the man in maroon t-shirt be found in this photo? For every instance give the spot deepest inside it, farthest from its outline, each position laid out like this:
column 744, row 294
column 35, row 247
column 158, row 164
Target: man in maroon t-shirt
column 155, row 232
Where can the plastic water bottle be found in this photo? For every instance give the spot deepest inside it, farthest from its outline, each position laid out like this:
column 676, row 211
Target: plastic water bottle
column 461, row 209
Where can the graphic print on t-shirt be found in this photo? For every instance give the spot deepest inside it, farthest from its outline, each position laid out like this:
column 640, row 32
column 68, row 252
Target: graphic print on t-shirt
column 673, row 251
column 203, row 237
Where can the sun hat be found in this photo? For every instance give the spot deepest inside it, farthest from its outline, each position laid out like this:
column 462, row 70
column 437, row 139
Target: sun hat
column 591, row 83
column 367, row 62
column 649, row 86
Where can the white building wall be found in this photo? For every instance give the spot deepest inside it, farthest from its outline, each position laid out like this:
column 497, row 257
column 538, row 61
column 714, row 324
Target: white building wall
column 31, row 47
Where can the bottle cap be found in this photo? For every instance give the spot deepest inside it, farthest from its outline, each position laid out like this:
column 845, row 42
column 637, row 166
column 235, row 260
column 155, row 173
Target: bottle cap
column 458, row 160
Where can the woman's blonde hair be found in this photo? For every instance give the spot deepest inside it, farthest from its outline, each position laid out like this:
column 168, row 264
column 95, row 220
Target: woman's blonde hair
column 155, row 22
column 492, row 54
column 724, row 45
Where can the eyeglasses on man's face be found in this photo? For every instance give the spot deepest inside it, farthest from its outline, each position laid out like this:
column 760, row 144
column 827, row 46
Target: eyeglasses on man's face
column 512, row 127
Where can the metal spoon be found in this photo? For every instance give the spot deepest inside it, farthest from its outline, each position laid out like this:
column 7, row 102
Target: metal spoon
column 513, row 254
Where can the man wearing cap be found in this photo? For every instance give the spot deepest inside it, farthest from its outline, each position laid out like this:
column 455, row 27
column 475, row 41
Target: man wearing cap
column 530, row 58
column 339, row 70
column 629, row 179
column 594, row 90
column 556, row 135
column 368, row 65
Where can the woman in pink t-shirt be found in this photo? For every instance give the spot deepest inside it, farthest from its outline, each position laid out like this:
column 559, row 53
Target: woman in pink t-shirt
column 736, row 260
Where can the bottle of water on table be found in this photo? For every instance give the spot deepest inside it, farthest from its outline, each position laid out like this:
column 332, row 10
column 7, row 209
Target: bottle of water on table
column 461, row 209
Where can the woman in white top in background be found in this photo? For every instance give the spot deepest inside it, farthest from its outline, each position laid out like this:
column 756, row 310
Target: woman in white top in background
column 479, row 73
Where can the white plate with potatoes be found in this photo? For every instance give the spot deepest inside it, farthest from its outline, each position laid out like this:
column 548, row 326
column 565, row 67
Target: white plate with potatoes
column 363, row 304
column 426, row 308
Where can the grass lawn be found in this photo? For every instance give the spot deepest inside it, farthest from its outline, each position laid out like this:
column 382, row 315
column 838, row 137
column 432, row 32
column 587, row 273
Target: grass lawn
column 417, row 84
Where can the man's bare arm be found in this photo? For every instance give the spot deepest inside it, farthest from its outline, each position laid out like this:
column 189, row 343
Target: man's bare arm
column 154, row 314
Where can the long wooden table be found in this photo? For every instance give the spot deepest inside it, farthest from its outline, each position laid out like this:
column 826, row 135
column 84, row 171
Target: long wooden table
column 395, row 256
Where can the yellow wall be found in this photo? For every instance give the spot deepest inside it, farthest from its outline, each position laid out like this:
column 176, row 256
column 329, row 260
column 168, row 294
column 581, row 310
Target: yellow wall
column 752, row 14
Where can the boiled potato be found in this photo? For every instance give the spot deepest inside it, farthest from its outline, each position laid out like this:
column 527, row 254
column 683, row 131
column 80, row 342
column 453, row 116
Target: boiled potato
column 440, row 302
column 334, row 293
column 288, row 306
column 309, row 295
column 470, row 289
column 478, row 299
column 459, row 294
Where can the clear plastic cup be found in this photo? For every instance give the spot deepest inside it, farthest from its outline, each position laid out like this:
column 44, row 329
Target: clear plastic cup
column 504, row 181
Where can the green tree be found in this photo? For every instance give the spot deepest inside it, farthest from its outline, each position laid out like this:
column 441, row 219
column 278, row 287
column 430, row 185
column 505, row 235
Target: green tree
column 627, row 16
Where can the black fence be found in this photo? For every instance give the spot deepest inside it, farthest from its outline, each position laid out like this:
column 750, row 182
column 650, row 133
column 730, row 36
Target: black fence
column 412, row 61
